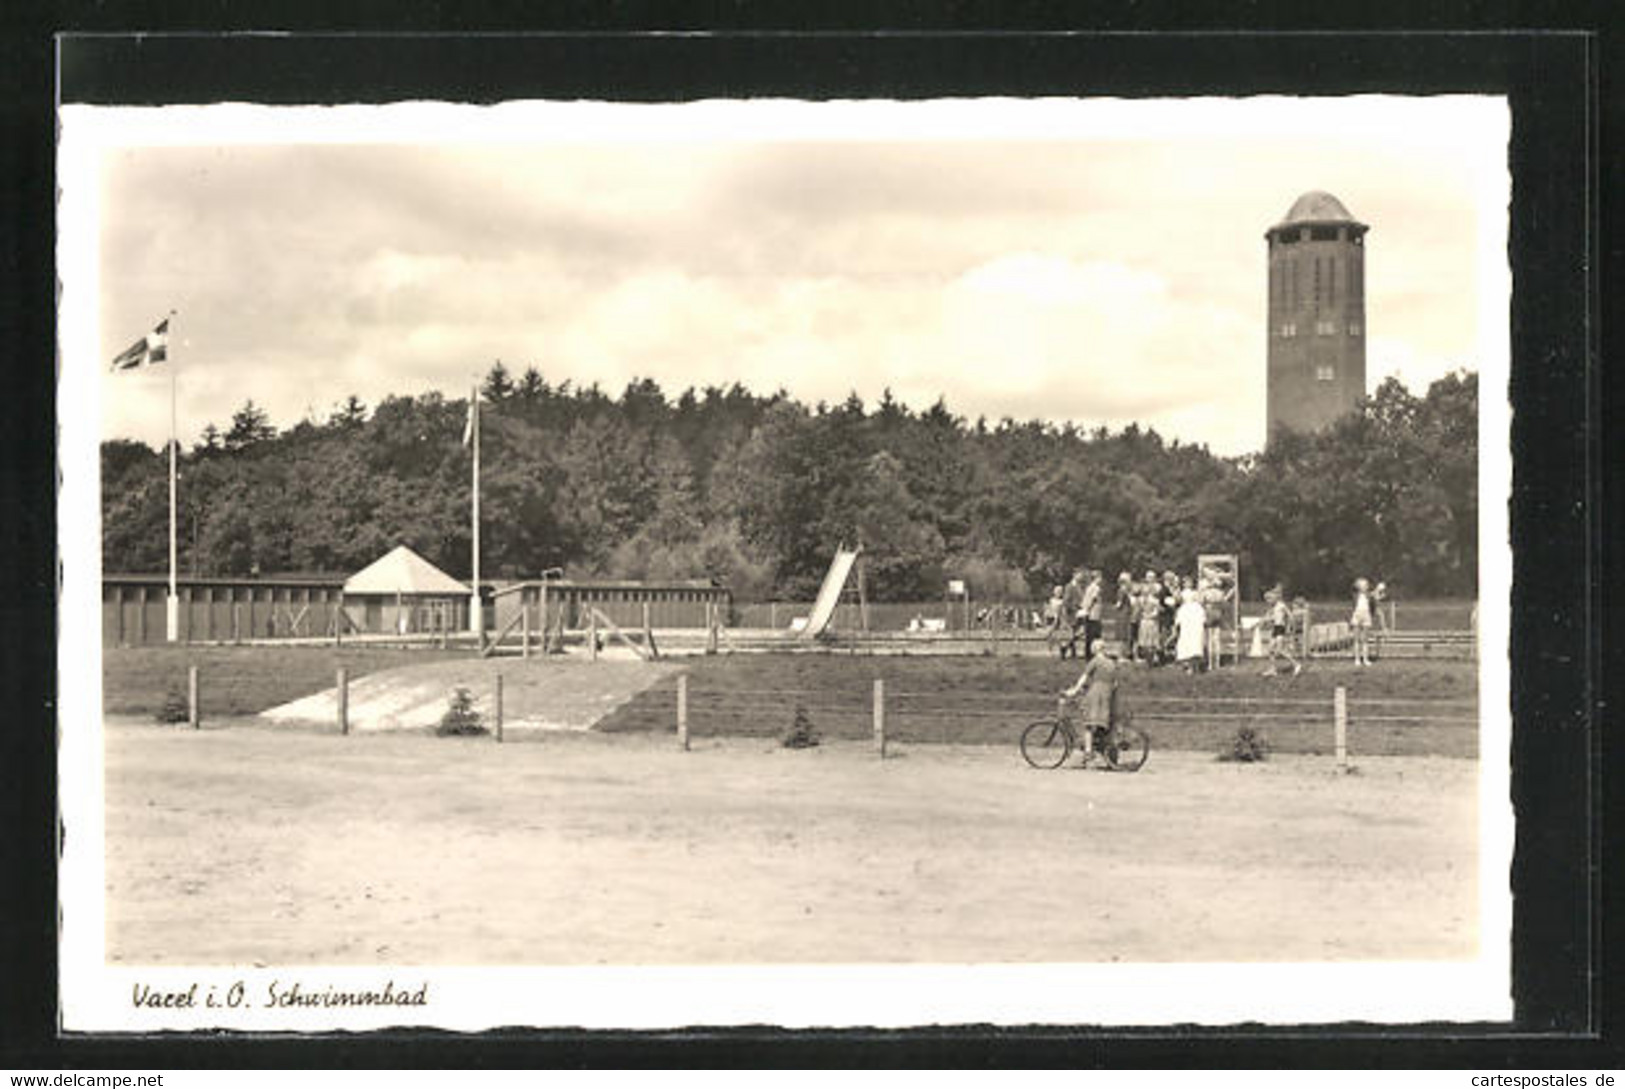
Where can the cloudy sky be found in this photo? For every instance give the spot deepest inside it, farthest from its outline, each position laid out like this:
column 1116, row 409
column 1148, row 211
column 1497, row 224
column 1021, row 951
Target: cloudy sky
column 1021, row 263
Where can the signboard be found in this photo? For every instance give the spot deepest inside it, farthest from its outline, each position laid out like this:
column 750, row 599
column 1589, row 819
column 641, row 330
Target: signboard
column 956, row 587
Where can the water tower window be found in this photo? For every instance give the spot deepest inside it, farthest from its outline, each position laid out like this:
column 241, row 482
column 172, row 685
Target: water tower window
column 1323, row 234
column 1354, row 329
column 1325, row 373
column 1325, row 328
column 1289, row 330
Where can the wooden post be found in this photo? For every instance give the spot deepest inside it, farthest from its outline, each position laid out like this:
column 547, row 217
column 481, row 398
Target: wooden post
column 344, row 700
column 141, row 615
column 773, row 614
column 682, row 711
column 193, row 718
column 592, row 634
column 499, row 708
column 236, row 619
column 863, row 600
column 648, row 631
column 880, row 717
column 545, row 633
column 524, row 626
column 712, row 615
column 1340, row 724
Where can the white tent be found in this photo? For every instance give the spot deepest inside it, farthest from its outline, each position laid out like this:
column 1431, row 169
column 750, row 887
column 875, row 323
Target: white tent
column 402, row 592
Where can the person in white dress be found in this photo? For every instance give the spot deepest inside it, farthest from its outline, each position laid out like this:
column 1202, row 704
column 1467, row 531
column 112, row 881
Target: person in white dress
column 1190, row 625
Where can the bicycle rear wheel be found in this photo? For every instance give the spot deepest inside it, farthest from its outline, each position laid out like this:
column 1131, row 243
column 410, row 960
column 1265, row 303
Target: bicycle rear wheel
column 1046, row 743
column 1127, row 748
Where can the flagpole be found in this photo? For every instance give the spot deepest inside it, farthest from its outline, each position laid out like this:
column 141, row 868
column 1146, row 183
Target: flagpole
column 476, row 611
column 172, row 610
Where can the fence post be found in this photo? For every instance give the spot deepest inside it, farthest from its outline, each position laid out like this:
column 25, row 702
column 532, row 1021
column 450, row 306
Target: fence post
column 592, row 634
column 236, row 622
column 880, row 717
column 649, row 632
column 344, row 700
column 524, row 626
column 682, row 711
column 712, row 614
column 1340, row 724
column 773, row 614
column 193, row 719
column 499, row 708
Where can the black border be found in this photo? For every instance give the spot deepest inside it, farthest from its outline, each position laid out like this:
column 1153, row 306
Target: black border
column 1557, row 87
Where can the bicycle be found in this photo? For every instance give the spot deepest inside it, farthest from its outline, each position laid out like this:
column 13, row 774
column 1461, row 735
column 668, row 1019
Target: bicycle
column 1047, row 743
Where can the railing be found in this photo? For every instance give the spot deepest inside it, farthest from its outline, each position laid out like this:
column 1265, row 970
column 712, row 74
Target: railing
column 1390, row 726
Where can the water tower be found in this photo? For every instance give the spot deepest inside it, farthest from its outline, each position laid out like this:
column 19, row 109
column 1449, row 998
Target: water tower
column 1316, row 314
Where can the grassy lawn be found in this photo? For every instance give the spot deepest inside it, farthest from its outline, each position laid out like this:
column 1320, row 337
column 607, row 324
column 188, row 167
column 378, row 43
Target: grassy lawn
column 239, row 680
column 976, row 700
column 988, row 701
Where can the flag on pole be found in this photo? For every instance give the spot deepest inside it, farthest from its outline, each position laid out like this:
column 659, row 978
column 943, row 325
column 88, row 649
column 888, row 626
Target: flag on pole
column 150, row 349
column 468, row 424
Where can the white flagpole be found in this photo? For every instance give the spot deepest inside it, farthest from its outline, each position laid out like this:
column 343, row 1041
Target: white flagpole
column 172, row 609
column 476, row 611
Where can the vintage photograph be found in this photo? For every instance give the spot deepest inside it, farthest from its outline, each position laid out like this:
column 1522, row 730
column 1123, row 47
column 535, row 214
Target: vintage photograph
column 766, row 562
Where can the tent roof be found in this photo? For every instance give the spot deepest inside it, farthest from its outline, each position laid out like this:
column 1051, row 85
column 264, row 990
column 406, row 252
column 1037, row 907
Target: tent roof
column 403, row 571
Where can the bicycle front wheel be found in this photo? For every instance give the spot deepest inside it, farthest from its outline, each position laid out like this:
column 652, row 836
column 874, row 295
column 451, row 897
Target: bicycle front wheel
column 1046, row 743
column 1127, row 748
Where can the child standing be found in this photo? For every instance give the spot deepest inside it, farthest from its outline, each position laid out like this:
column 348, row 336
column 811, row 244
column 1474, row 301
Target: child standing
column 1360, row 622
column 1279, row 617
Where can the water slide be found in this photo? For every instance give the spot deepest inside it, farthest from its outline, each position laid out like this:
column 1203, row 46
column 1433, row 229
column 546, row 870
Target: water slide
column 829, row 594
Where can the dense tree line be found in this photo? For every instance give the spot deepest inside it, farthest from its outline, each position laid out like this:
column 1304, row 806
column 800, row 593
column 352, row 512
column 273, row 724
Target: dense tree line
column 757, row 490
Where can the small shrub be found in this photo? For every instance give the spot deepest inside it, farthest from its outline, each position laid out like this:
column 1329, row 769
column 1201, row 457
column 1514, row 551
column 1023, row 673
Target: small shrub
column 1247, row 747
column 803, row 734
column 461, row 719
column 174, row 708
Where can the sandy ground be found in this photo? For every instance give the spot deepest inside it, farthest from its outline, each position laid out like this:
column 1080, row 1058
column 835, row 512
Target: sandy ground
column 251, row 844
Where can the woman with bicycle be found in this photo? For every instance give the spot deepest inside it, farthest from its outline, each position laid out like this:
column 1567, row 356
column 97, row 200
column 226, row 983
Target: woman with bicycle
column 1098, row 686
column 1048, row 742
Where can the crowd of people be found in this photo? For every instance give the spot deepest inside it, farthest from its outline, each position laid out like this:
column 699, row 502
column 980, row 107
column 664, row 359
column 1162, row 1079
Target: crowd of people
column 1158, row 619
column 1183, row 620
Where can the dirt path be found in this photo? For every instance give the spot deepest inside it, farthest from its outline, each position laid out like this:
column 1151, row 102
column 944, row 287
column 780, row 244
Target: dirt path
column 250, row 845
